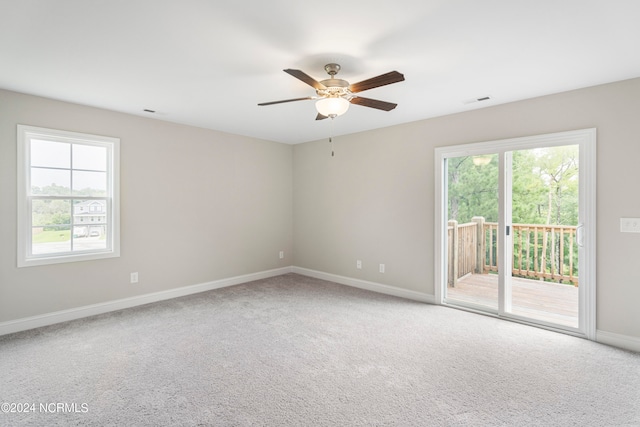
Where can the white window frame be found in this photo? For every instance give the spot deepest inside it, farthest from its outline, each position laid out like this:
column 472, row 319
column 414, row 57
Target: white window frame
column 25, row 254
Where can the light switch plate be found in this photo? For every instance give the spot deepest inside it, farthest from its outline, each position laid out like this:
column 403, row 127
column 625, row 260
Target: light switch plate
column 630, row 225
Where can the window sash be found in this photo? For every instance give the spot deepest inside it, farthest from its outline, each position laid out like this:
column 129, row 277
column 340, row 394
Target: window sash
column 72, row 225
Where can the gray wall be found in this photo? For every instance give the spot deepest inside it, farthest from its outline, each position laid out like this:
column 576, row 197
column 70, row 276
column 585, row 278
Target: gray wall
column 196, row 206
column 374, row 200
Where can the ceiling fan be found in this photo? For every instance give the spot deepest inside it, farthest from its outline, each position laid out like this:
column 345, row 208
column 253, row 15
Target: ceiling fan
column 335, row 95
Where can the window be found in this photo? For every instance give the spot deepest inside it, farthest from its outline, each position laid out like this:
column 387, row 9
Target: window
column 65, row 178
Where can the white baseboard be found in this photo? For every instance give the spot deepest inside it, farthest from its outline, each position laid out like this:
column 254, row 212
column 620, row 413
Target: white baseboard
column 370, row 286
column 9, row 327
column 105, row 307
column 617, row 340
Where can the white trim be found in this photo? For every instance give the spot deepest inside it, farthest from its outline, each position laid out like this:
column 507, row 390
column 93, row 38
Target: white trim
column 622, row 341
column 370, row 286
column 588, row 258
column 439, row 232
column 105, row 307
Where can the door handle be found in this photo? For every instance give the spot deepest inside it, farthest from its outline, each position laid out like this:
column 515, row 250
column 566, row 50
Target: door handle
column 580, row 235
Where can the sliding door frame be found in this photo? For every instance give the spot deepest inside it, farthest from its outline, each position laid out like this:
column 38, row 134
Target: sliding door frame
column 586, row 139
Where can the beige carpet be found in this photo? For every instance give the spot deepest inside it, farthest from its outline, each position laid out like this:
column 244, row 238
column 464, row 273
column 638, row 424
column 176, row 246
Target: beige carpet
column 296, row 351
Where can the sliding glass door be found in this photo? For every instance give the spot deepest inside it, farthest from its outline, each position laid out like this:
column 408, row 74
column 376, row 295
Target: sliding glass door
column 472, row 224
column 516, row 233
column 545, row 230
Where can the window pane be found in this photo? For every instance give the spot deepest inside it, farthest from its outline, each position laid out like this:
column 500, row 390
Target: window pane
column 89, row 237
column 90, row 225
column 53, row 240
column 46, row 213
column 89, row 183
column 89, row 157
column 51, row 220
column 50, row 182
column 50, row 154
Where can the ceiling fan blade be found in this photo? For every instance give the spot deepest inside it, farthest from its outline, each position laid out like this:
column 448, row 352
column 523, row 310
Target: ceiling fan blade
column 286, row 100
column 373, row 103
column 305, row 78
column 321, row 117
column 381, row 80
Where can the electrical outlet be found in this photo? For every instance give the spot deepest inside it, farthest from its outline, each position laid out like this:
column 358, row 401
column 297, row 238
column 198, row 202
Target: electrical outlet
column 381, row 268
column 630, row 225
column 134, row 277
column 359, row 264
column 281, row 254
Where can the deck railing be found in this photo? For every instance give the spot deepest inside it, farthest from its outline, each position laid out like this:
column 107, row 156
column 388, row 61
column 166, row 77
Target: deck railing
column 545, row 252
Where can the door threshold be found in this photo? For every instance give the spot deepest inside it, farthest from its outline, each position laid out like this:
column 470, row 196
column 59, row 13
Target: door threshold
column 514, row 318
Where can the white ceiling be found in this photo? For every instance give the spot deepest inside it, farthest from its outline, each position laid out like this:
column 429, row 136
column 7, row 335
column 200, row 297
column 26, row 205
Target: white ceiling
column 208, row 63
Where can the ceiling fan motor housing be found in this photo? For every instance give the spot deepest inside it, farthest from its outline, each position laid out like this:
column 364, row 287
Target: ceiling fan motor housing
column 334, row 87
column 332, row 69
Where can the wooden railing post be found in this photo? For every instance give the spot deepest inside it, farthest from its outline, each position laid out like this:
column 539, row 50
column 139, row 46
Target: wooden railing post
column 453, row 259
column 481, row 243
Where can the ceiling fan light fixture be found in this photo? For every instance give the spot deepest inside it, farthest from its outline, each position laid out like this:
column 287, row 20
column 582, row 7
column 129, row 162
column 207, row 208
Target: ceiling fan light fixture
column 334, row 95
column 482, row 160
column 332, row 107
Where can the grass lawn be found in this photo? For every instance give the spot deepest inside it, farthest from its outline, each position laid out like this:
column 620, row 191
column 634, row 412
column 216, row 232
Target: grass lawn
column 52, row 236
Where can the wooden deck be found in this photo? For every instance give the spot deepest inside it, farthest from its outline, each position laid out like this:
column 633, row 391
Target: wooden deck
column 549, row 302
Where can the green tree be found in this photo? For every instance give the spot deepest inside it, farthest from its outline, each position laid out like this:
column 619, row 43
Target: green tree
column 559, row 168
column 51, row 212
column 529, row 194
column 472, row 188
column 544, row 187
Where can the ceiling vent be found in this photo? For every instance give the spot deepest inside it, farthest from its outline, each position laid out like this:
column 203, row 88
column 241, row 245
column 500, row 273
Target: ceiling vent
column 479, row 99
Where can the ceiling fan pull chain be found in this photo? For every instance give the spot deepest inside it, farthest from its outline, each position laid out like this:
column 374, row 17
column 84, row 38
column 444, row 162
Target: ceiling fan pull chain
column 331, row 138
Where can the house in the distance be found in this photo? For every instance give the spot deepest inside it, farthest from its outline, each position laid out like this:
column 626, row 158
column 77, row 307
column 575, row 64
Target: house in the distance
column 89, row 218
